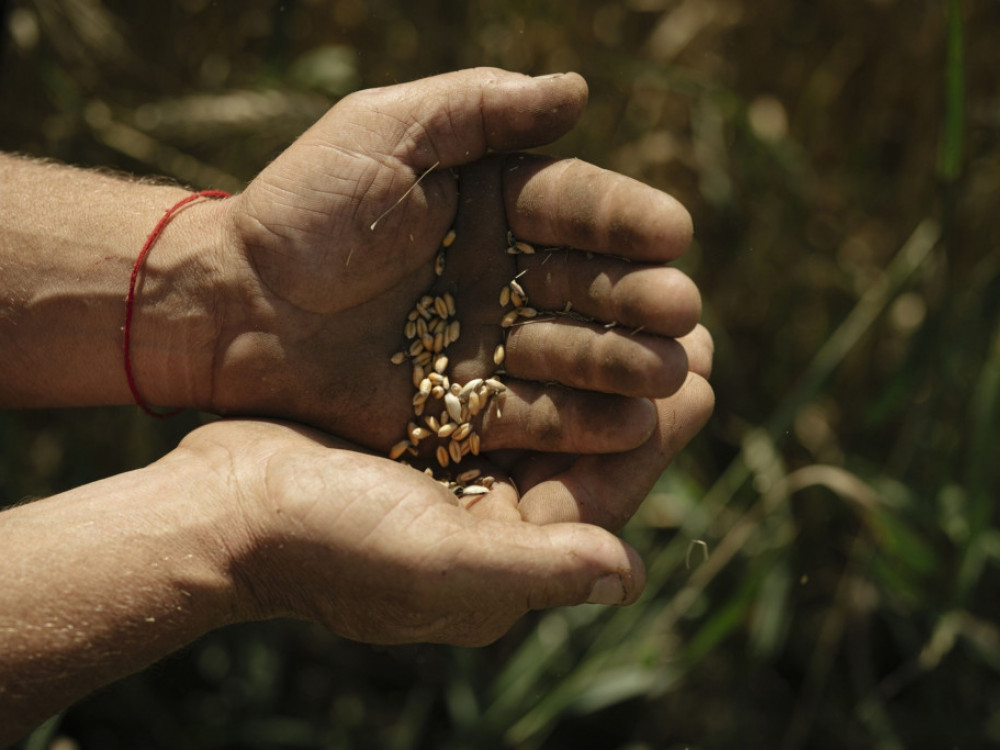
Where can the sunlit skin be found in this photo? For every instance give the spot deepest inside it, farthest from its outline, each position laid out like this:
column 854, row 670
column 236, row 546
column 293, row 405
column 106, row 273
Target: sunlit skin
column 284, row 302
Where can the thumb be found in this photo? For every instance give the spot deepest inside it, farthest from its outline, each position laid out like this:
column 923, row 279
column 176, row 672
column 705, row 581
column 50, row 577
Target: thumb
column 455, row 118
column 564, row 564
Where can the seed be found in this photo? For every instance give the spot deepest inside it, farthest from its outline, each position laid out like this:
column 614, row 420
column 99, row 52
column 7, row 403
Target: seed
column 445, row 384
column 426, row 301
column 517, row 300
column 468, row 476
column 524, row 248
column 462, row 432
column 455, row 451
column 410, row 329
column 469, row 387
column 420, row 398
column 454, row 329
column 446, row 430
column 494, row 385
column 413, row 315
column 516, row 288
column 498, row 355
column 448, row 238
column 456, row 388
column 487, row 481
column 512, row 250
column 508, row 320
column 474, row 403
column 474, row 489
column 416, row 347
column 398, row 449
column 450, row 302
column 398, row 358
column 425, row 387
column 453, row 406
column 438, row 392
column 440, row 325
column 418, row 375
column 435, row 377
column 464, row 448
column 439, row 264
column 416, row 433
column 428, row 341
column 432, row 423
column 441, row 364
column 527, row 312
column 504, row 296
column 424, row 312
column 440, row 307
column 442, row 456
column 438, row 342
column 443, row 419
column 421, row 327
column 423, row 359
column 418, row 409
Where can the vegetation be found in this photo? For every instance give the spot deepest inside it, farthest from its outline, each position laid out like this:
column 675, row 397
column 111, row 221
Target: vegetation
column 822, row 560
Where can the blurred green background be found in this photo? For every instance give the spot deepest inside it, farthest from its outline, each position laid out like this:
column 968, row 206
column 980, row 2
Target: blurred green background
column 822, row 560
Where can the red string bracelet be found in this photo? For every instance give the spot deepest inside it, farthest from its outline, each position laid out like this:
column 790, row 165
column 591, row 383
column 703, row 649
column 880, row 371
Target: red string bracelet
column 130, row 297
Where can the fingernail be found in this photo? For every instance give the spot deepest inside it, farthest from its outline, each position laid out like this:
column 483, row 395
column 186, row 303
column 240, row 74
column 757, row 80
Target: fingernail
column 607, row 590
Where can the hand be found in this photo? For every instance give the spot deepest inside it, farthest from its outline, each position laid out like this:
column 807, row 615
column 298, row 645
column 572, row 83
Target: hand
column 341, row 233
column 382, row 553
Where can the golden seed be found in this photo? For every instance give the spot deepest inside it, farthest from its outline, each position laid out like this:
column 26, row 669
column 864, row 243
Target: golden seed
column 442, row 456
column 494, row 385
column 465, row 414
column 468, row 476
column 420, row 398
column 441, row 364
column 469, row 387
column 448, row 238
column 439, row 264
column 474, row 404
column 511, row 250
column 527, row 312
column 464, row 448
column 441, row 307
column 455, row 451
column 504, row 296
column 425, row 387
column 421, row 327
column 416, row 433
column 474, row 489
column 446, row 430
column 498, row 354
column 462, row 432
column 398, row 358
column 432, row 423
column 516, row 288
column 426, row 301
column 415, row 348
column 418, row 409
column 517, row 299
column 454, row 329
column 508, row 320
column 418, row 375
column 428, row 341
column 438, row 342
column 413, row 315
column 398, row 449
column 424, row 312
column 438, row 392
column 410, row 330
column 423, row 359
column 524, row 248
column 443, row 419
column 435, row 377
column 453, row 406
column 445, row 383
column 450, row 302
column 456, row 388
column 440, row 325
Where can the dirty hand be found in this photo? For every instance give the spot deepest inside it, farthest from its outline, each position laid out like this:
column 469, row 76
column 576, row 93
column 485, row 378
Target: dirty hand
column 339, row 238
column 381, row 553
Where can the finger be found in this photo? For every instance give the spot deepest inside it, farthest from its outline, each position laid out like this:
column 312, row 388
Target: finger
column 455, row 118
column 700, row 350
column 656, row 299
column 606, row 490
column 590, row 357
column 570, row 203
column 534, row 416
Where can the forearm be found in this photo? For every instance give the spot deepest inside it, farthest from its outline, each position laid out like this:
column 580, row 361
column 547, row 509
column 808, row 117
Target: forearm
column 99, row 582
column 68, row 242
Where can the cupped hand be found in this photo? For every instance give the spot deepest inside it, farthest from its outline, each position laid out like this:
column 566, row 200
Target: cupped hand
column 382, row 553
column 339, row 239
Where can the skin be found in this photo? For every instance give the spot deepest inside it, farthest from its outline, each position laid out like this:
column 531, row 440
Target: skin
column 284, row 302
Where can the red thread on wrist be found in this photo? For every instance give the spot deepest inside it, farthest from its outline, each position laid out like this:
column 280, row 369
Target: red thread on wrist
column 130, row 297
